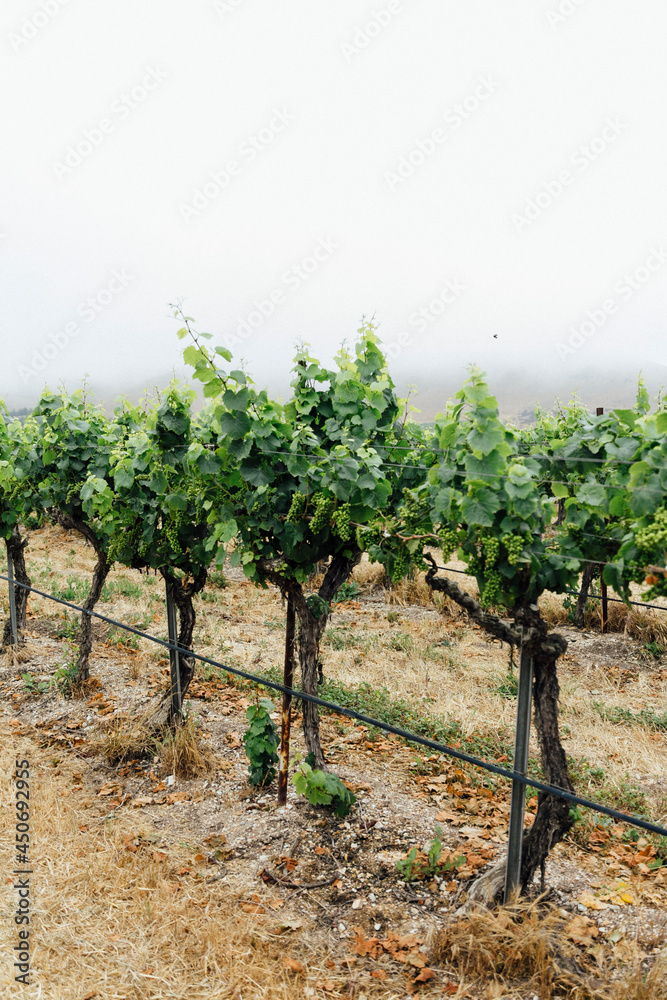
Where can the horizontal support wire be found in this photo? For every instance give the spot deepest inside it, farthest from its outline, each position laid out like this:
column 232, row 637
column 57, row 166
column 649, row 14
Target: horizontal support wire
column 575, row 593
column 350, row 713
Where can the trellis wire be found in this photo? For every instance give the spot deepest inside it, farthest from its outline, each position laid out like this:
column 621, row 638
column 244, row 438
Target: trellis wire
column 351, row 713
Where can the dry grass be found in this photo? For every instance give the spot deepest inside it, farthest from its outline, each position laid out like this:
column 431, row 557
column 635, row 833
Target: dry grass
column 16, row 656
column 526, row 946
column 182, row 753
column 372, row 578
column 109, row 922
column 643, row 624
column 127, row 739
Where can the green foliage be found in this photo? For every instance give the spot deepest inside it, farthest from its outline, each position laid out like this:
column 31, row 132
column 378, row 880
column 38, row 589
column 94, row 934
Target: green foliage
column 122, row 587
column 509, row 687
column 347, row 592
column 624, row 716
column 68, row 629
column 33, row 687
column 323, row 789
column 295, row 483
column 318, row 606
column 216, row 578
column 124, row 640
column 66, row 678
column 261, row 741
column 407, row 864
column 417, row 866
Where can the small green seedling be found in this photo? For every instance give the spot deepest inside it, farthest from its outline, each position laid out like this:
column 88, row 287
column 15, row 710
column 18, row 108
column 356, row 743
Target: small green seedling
column 323, row 789
column 261, row 740
column 31, row 687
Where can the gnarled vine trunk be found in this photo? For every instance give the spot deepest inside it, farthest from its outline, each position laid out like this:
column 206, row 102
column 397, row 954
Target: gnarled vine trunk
column 187, row 617
column 311, row 629
column 552, row 821
column 587, row 576
column 100, row 573
column 16, row 551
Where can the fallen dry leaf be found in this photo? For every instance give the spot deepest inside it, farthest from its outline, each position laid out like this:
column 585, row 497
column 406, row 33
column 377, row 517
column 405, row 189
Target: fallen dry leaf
column 293, row 965
column 581, row 930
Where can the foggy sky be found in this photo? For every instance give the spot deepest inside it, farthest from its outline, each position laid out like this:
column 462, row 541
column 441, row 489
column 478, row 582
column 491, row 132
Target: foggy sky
column 459, row 170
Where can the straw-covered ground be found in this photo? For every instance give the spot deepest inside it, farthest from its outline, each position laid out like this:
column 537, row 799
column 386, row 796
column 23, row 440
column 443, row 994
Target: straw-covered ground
column 158, row 871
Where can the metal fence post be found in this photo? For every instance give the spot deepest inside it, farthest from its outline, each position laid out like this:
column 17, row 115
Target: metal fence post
column 605, row 605
column 287, row 704
column 12, row 601
column 174, row 656
column 518, row 802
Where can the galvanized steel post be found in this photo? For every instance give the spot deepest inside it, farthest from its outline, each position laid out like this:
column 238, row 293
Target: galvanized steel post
column 522, row 739
column 287, row 704
column 174, row 656
column 12, row 601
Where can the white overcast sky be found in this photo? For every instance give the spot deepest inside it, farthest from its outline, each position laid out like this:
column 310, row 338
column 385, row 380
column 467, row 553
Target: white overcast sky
column 536, row 211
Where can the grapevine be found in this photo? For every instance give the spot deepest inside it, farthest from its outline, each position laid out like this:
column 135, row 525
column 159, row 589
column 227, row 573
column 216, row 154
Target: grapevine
column 341, row 522
column 297, row 507
column 322, row 515
column 449, row 541
column 514, row 546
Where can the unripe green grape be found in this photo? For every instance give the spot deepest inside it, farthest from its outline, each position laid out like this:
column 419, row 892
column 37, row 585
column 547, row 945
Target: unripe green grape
column 321, row 515
column 341, row 522
column 297, row 508
column 448, row 542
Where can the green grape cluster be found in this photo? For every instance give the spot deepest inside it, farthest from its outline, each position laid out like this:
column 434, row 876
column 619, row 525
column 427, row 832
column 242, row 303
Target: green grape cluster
column 322, row 514
column 491, row 547
column 341, row 522
column 654, row 537
column 372, row 534
column 13, row 494
column 413, row 511
column 297, row 508
column 73, row 492
column 171, row 525
column 399, row 565
column 449, row 542
column 491, row 591
column 195, row 497
column 171, row 532
column 514, row 546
